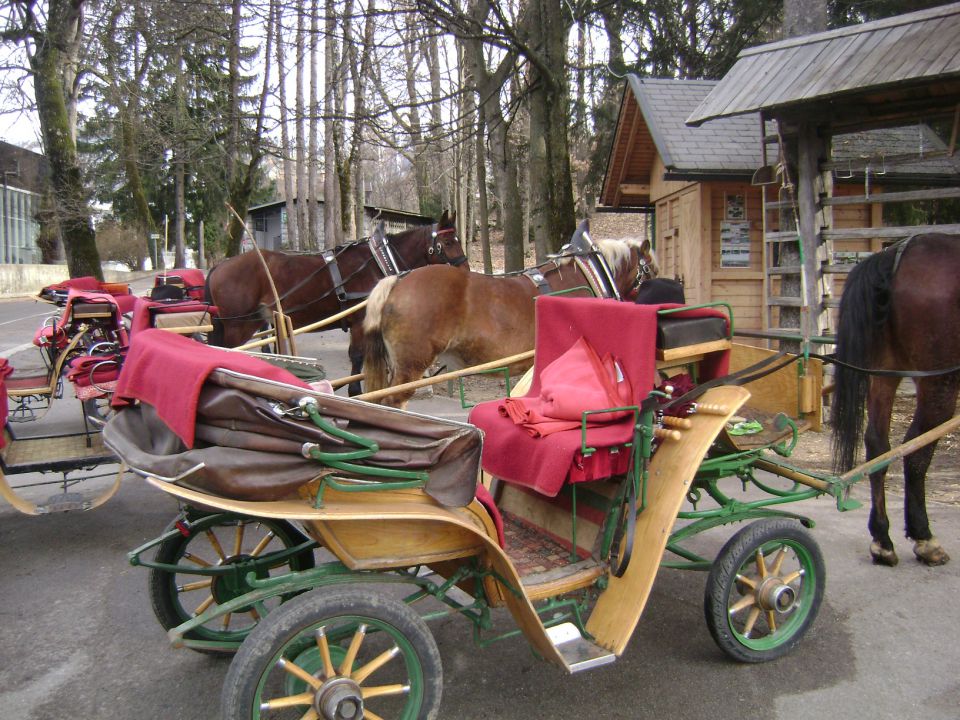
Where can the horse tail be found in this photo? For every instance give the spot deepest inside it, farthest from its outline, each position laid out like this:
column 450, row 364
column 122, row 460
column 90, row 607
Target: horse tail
column 864, row 309
column 216, row 336
column 376, row 355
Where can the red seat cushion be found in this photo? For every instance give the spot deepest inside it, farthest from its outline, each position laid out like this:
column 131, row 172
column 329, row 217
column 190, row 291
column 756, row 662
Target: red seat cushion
column 626, row 331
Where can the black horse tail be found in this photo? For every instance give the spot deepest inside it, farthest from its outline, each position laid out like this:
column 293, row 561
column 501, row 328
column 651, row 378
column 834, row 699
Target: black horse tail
column 376, row 355
column 215, row 336
column 864, row 309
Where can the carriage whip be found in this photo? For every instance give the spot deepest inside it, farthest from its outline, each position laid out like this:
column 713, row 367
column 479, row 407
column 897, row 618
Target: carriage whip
column 283, row 324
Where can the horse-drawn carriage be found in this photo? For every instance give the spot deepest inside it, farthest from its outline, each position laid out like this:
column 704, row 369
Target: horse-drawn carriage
column 314, row 527
column 82, row 346
column 379, row 513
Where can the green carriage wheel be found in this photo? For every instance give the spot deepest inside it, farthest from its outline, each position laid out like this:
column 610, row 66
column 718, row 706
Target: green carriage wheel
column 764, row 590
column 217, row 540
column 336, row 653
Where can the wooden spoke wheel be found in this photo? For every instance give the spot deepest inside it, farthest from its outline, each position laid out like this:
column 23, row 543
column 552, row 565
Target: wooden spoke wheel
column 336, row 653
column 211, row 540
column 764, row 590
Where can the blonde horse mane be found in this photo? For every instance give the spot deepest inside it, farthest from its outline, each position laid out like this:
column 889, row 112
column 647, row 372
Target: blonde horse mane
column 617, row 253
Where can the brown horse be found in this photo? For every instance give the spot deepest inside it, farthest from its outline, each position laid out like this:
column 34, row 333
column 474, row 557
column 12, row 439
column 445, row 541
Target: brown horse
column 315, row 286
column 900, row 311
column 469, row 318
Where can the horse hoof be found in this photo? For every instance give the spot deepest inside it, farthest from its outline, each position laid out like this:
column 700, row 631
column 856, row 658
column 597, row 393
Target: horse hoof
column 883, row 557
column 930, row 552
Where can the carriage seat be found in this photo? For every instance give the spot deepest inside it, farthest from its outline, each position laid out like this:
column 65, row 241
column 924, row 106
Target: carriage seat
column 545, row 463
column 626, row 331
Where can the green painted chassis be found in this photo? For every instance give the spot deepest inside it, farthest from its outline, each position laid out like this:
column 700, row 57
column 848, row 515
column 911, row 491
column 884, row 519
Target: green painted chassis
column 250, row 588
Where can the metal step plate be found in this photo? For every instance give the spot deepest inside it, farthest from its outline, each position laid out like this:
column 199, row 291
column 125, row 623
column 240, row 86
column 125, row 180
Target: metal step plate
column 578, row 652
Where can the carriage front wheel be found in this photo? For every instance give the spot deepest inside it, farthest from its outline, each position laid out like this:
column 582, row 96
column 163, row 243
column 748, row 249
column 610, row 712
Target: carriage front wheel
column 764, row 590
column 335, row 653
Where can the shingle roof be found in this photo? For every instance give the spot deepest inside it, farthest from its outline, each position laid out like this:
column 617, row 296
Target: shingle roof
column 731, row 145
column 903, row 51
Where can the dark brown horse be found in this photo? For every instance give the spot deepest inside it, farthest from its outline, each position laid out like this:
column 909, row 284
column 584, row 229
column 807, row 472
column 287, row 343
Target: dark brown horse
column 469, row 318
column 900, row 311
column 315, row 286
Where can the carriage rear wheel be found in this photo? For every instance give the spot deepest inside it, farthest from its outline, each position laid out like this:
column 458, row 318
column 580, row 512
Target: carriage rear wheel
column 217, row 540
column 764, row 590
column 336, row 653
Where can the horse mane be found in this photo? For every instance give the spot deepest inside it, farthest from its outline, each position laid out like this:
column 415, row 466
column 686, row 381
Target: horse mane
column 864, row 308
column 617, row 253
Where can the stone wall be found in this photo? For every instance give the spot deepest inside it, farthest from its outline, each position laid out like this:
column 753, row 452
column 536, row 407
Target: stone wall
column 27, row 280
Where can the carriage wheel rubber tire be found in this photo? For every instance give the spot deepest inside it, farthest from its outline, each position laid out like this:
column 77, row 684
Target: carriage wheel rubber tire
column 722, row 580
column 281, row 628
column 163, row 594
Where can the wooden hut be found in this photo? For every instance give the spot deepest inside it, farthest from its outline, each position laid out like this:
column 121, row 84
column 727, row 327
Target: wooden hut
column 893, row 78
column 709, row 219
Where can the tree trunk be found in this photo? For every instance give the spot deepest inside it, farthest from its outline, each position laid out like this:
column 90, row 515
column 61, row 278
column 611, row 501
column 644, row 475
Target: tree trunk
column 303, row 192
column 502, row 154
column 289, row 195
column 48, row 64
column 313, row 212
column 331, row 201
column 551, row 190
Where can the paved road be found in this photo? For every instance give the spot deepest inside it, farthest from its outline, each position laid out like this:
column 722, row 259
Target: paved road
column 78, row 638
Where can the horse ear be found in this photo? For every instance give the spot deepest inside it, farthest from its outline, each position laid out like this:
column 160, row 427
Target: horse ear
column 444, row 219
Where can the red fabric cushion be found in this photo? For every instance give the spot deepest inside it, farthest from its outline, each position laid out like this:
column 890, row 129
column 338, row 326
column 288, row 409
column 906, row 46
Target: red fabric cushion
column 167, row 371
column 626, row 331
column 623, row 330
column 486, row 499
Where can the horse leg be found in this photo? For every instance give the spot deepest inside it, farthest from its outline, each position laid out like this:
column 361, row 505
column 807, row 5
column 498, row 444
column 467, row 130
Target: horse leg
column 936, row 400
column 877, row 441
column 355, row 352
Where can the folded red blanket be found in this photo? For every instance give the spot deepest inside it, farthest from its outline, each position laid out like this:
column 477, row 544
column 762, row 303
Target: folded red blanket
column 576, row 382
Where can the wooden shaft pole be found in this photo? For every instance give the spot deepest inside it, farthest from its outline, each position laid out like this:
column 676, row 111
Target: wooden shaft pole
column 502, row 362
column 881, row 461
column 306, row 328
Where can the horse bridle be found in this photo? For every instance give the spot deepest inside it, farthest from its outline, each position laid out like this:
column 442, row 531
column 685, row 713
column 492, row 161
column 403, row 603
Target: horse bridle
column 436, row 246
column 644, row 272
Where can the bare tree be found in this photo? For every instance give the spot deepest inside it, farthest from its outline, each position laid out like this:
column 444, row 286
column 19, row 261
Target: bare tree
column 52, row 45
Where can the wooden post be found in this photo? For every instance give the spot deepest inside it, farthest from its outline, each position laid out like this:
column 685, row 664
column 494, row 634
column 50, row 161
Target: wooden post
column 808, row 171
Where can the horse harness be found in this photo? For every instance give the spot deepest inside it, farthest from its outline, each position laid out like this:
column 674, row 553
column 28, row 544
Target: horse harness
column 387, row 260
column 591, row 263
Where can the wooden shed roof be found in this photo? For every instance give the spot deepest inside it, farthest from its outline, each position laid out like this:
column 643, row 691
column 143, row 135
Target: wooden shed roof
column 651, row 122
column 912, row 59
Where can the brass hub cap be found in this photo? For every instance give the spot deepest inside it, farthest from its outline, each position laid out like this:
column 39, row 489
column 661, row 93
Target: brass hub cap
column 339, row 698
column 773, row 594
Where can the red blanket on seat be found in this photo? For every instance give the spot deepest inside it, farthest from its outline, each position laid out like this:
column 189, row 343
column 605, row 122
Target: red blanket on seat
column 168, row 371
column 623, row 330
column 576, row 382
column 545, row 463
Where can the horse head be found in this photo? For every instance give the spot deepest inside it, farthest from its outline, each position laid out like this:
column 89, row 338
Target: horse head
column 631, row 262
column 436, row 244
column 445, row 247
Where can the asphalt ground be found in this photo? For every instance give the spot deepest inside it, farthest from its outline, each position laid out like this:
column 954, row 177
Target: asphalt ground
column 78, row 637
